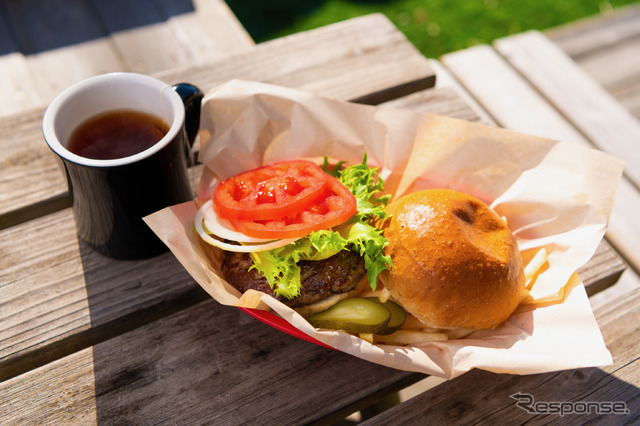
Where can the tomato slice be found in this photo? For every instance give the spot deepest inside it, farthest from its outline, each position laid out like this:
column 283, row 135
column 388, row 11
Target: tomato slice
column 270, row 192
column 336, row 206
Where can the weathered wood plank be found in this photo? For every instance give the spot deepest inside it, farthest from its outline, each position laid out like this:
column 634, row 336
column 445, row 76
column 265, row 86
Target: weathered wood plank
column 626, row 72
column 624, row 230
column 155, row 35
column 318, row 60
column 62, row 42
column 65, row 42
column 627, row 283
column 110, row 378
column 447, row 79
column 512, row 101
column 211, row 32
column 55, row 70
column 75, row 397
column 67, row 317
column 185, row 369
column 583, row 38
column 444, row 101
column 630, row 98
column 607, row 47
column 18, row 89
column 29, row 173
column 55, row 302
column 137, row 32
column 621, row 80
column 590, row 108
column 603, row 269
column 77, row 299
column 365, row 59
column 452, row 400
column 41, row 26
column 506, row 95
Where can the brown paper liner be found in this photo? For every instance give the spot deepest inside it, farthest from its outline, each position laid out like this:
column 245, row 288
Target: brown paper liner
column 554, row 195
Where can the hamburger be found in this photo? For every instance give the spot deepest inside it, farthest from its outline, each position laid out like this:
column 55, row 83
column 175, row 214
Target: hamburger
column 444, row 256
column 456, row 265
column 308, row 247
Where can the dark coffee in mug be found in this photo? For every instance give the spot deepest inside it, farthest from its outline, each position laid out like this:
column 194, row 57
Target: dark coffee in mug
column 138, row 166
column 116, row 134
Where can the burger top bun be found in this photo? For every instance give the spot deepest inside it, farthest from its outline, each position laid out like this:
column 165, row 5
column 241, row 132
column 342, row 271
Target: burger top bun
column 456, row 264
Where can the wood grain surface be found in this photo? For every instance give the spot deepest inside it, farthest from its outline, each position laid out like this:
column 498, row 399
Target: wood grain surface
column 45, row 46
column 81, row 306
column 190, row 368
column 584, row 102
column 376, row 64
column 87, row 339
column 57, row 302
column 485, row 398
column 606, row 47
column 516, row 102
column 78, row 298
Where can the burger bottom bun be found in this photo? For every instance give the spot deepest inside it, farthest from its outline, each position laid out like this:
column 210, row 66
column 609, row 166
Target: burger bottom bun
column 456, row 264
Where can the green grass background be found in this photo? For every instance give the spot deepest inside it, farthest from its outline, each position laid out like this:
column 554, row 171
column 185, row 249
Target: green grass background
column 435, row 27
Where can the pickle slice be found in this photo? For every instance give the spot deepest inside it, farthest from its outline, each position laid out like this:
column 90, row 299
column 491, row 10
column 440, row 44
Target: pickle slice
column 356, row 315
column 398, row 316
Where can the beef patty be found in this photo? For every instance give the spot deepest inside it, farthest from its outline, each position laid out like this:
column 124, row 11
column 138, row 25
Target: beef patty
column 320, row 279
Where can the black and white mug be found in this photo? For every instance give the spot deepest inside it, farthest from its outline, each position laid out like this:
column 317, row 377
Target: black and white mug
column 111, row 196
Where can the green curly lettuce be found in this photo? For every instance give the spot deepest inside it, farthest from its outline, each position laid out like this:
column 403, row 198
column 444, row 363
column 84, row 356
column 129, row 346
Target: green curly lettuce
column 359, row 233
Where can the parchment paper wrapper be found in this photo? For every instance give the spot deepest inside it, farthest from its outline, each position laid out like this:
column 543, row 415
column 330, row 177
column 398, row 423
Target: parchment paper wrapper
column 556, row 195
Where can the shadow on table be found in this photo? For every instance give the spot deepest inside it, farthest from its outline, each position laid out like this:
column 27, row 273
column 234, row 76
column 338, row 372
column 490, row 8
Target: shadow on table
column 35, row 26
column 573, row 397
column 163, row 350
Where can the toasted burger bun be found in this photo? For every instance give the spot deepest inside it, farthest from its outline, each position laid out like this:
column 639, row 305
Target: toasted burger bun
column 456, row 264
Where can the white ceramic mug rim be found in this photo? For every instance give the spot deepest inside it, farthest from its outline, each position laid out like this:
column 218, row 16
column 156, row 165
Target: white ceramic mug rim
column 49, row 119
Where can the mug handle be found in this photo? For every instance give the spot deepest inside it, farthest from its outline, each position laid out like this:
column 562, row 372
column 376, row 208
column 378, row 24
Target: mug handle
column 192, row 99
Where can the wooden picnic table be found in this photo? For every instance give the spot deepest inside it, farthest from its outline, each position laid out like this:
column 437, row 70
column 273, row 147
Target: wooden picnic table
column 88, row 339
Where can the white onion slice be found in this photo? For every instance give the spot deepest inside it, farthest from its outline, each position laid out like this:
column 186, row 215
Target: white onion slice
column 200, row 217
column 219, row 227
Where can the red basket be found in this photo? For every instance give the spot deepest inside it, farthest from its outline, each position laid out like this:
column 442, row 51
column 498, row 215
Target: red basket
column 278, row 323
